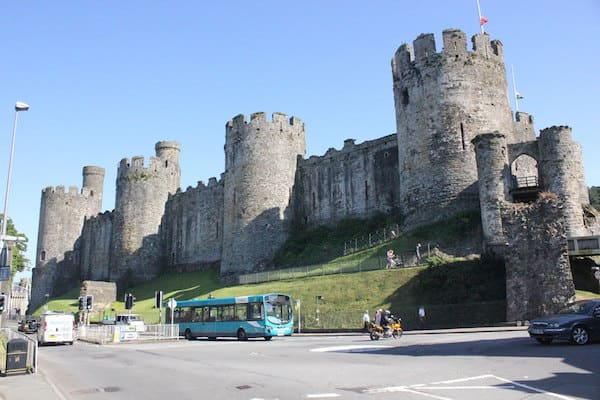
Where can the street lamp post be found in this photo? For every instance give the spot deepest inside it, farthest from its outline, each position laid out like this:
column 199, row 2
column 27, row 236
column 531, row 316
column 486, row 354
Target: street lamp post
column 19, row 106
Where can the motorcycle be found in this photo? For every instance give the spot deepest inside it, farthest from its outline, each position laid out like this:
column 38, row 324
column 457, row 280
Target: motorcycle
column 392, row 330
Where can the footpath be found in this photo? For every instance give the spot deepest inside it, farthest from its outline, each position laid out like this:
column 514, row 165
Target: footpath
column 28, row 386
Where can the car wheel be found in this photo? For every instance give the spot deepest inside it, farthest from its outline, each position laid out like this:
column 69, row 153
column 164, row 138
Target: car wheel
column 188, row 335
column 580, row 335
column 241, row 335
column 544, row 340
column 267, row 338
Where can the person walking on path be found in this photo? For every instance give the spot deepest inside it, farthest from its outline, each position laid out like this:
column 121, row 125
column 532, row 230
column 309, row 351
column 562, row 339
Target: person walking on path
column 421, row 317
column 378, row 317
column 366, row 320
column 418, row 253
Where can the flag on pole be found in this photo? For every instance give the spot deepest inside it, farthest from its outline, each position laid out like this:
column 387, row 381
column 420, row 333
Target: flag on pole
column 483, row 21
column 519, row 96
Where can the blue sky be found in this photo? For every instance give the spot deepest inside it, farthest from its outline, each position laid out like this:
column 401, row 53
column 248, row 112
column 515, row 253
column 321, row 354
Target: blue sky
column 108, row 79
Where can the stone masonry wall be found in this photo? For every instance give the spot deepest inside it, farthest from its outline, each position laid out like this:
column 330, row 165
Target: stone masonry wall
column 354, row 182
column 538, row 274
column 191, row 231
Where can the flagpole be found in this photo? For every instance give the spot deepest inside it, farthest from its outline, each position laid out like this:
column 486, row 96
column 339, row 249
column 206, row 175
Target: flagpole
column 515, row 88
column 479, row 12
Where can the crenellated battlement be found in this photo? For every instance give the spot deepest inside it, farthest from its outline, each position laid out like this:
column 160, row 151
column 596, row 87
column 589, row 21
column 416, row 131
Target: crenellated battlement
column 59, row 191
column 259, row 119
column 350, row 146
column 423, row 50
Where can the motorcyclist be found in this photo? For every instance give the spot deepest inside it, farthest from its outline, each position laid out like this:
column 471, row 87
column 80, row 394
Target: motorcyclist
column 385, row 321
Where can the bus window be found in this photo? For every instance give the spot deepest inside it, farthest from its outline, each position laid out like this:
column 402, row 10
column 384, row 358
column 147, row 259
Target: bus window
column 256, row 311
column 228, row 313
column 241, row 312
column 197, row 312
column 213, row 314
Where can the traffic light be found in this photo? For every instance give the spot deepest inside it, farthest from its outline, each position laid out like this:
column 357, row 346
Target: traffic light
column 81, row 305
column 89, row 302
column 158, row 295
column 3, row 302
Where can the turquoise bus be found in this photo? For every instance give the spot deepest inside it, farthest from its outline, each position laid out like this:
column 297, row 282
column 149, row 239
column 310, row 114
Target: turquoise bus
column 262, row 315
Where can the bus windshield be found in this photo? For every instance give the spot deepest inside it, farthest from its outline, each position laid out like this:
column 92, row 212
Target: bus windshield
column 279, row 309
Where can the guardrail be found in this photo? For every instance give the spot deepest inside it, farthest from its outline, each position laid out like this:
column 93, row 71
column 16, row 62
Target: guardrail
column 105, row 334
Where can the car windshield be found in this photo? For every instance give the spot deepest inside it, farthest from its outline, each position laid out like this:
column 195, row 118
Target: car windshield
column 579, row 307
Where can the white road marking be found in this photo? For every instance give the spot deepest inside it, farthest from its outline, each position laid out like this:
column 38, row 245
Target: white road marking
column 354, row 348
column 560, row 396
column 420, row 388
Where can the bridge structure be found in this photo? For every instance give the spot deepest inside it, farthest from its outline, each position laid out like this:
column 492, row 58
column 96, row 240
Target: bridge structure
column 583, row 245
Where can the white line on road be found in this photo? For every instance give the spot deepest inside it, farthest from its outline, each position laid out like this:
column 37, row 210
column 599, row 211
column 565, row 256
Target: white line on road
column 351, row 348
column 419, row 388
column 560, row 396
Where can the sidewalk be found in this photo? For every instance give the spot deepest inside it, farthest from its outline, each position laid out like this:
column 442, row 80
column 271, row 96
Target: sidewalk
column 27, row 386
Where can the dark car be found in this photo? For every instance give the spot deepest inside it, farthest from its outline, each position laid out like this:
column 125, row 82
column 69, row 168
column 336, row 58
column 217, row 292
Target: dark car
column 28, row 325
column 578, row 322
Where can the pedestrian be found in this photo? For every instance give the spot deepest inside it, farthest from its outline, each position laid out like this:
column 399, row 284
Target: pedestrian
column 378, row 317
column 421, row 317
column 366, row 320
column 391, row 262
column 418, row 253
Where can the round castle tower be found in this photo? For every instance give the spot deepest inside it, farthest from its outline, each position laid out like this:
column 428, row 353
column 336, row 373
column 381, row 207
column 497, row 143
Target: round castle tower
column 561, row 169
column 140, row 204
column 492, row 164
column 260, row 167
column 62, row 214
column 443, row 100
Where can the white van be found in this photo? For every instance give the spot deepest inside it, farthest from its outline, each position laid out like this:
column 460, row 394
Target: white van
column 56, row 327
column 133, row 321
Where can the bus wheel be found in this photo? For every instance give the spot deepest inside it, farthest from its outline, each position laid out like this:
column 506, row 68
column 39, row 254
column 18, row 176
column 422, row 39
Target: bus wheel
column 241, row 334
column 267, row 338
column 188, row 335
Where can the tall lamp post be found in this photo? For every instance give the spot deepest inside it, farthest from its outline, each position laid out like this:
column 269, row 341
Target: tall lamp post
column 19, row 106
column 4, row 261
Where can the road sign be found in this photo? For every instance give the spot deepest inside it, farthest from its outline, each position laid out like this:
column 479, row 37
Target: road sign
column 597, row 274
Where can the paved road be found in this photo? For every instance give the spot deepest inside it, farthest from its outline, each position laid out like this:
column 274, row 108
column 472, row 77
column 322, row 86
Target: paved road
column 449, row 366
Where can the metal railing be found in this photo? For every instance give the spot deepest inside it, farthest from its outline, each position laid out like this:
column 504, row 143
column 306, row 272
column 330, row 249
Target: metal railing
column 526, row 181
column 104, row 334
column 372, row 239
column 404, row 259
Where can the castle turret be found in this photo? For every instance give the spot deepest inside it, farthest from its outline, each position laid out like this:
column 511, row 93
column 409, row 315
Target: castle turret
column 62, row 214
column 140, row 203
column 561, row 166
column 260, row 165
column 443, row 100
column 494, row 173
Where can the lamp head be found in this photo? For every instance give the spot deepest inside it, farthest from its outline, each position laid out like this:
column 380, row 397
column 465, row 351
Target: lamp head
column 20, row 106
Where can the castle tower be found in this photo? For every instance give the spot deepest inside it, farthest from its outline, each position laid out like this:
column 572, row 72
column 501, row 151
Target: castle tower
column 493, row 173
column 62, row 214
column 260, row 165
column 443, row 100
column 561, row 169
column 140, row 203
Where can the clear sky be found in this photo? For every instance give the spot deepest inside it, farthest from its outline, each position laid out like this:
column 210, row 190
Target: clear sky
column 108, row 79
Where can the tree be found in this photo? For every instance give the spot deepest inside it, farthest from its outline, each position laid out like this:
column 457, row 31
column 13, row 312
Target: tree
column 19, row 262
column 595, row 197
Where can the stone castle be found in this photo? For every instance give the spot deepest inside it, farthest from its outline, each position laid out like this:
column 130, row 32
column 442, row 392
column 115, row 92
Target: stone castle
column 457, row 147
